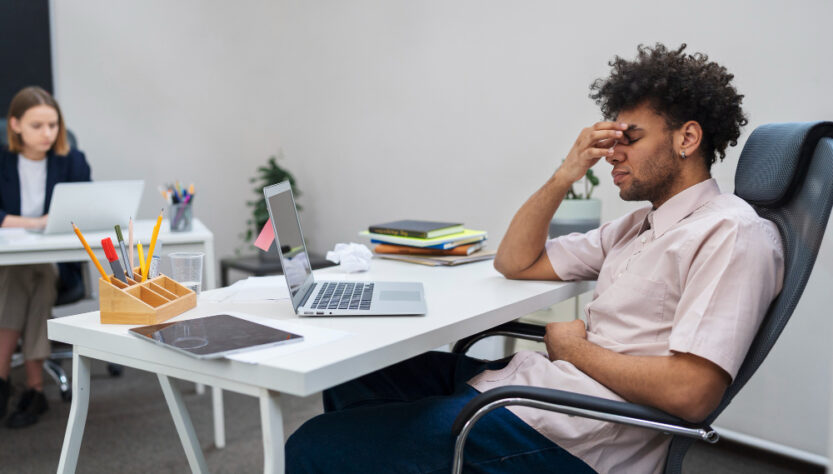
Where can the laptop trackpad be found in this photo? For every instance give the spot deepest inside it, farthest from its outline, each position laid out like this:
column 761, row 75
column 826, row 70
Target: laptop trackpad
column 393, row 295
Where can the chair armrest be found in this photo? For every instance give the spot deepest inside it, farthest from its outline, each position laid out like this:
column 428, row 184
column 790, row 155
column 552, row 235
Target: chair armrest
column 531, row 332
column 580, row 405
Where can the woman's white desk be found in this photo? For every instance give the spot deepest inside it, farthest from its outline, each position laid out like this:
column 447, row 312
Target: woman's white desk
column 22, row 248
column 461, row 301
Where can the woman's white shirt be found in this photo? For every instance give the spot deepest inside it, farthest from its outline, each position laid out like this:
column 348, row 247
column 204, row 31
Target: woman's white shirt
column 32, row 186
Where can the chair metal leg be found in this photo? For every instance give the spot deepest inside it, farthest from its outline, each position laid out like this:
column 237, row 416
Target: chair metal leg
column 271, row 420
column 182, row 421
column 58, row 374
column 77, row 413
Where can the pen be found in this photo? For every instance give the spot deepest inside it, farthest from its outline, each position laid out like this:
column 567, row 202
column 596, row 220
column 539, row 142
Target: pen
column 141, row 258
column 123, row 251
column 89, row 250
column 130, row 242
column 113, row 258
column 153, row 267
column 152, row 244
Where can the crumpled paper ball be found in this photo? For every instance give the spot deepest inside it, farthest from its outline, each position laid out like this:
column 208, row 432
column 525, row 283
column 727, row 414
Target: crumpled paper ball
column 352, row 257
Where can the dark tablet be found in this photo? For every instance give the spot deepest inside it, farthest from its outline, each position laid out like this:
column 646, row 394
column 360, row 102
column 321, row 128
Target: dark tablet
column 214, row 336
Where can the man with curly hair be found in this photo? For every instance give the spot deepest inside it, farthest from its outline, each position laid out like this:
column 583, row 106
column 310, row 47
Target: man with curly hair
column 682, row 286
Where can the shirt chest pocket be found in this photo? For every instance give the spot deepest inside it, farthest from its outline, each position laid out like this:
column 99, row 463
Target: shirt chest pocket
column 631, row 310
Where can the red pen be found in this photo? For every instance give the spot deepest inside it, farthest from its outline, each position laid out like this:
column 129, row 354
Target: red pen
column 113, row 258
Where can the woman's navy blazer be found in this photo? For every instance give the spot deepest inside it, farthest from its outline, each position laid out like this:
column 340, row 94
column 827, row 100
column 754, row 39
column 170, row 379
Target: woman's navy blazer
column 59, row 169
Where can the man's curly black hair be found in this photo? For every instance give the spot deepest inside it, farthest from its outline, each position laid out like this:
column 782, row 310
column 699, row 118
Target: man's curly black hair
column 680, row 87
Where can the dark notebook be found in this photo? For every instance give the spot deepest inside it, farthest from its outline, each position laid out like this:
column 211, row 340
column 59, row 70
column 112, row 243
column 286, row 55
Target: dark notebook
column 417, row 229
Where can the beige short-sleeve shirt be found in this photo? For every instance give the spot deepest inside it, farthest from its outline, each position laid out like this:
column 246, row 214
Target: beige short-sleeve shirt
column 696, row 276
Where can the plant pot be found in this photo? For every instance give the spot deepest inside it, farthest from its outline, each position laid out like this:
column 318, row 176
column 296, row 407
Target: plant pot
column 576, row 215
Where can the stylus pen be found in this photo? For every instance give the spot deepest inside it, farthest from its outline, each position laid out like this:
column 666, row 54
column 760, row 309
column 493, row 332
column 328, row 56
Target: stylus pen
column 124, row 253
column 153, row 268
column 113, row 258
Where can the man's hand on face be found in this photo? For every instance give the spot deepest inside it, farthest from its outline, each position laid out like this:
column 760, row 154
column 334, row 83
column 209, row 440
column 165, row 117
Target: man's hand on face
column 592, row 144
column 561, row 337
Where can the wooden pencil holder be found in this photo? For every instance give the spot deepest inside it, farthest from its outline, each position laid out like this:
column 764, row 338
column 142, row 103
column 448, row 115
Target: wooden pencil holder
column 150, row 302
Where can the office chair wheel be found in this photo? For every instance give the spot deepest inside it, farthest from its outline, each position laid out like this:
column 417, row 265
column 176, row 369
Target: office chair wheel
column 115, row 370
column 66, row 395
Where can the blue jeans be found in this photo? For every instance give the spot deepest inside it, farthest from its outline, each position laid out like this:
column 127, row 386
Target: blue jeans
column 399, row 419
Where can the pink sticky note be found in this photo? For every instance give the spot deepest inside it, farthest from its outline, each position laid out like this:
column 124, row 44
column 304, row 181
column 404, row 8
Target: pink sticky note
column 266, row 237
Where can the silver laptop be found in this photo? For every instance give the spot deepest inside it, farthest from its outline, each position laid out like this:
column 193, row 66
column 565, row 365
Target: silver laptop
column 93, row 205
column 334, row 298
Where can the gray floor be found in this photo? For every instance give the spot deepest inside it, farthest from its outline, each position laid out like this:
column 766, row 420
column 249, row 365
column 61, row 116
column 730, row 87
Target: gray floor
column 130, row 430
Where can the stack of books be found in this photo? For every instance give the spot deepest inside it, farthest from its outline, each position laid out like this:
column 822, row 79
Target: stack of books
column 428, row 243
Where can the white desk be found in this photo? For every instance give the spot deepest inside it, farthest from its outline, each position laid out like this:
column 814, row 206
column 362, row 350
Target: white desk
column 461, row 300
column 37, row 248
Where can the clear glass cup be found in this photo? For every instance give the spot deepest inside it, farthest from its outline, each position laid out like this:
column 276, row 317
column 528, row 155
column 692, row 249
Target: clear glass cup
column 181, row 217
column 186, row 268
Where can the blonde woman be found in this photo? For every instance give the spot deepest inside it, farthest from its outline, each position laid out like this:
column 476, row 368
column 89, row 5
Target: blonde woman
column 37, row 157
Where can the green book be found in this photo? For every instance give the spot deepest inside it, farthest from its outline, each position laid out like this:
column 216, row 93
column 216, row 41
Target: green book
column 417, row 229
column 442, row 242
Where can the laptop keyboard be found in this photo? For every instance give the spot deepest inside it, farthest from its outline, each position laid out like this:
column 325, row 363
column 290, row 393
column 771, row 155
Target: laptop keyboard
column 343, row 295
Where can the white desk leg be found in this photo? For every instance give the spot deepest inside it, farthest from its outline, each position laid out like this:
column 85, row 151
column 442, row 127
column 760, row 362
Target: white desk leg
column 77, row 412
column 271, row 420
column 210, row 266
column 182, row 420
column 217, row 394
column 199, row 388
column 219, row 422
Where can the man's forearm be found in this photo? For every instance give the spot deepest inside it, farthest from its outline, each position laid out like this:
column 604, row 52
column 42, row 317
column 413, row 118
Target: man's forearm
column 671, row 383
column 524, row 240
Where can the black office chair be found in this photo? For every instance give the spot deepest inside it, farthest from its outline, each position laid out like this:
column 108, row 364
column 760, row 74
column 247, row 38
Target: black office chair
column 786, row 173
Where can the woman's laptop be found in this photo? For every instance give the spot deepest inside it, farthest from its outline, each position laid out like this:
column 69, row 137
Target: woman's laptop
column 93, row 205
column 342, row 298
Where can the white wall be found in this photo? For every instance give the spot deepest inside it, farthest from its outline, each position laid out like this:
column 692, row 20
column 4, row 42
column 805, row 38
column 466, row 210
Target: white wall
column 173, row 90
column 404, row 109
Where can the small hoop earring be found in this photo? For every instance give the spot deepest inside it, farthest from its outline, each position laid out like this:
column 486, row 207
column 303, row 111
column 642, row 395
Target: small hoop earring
column 683, row 153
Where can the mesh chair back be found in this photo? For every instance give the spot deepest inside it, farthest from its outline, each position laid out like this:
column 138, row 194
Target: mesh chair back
column 786, row 173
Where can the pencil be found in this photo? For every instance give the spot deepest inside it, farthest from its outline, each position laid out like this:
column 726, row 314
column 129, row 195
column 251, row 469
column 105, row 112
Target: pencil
column 141, row 258
column 89, row 251
column 130, row 242
column 152, row 244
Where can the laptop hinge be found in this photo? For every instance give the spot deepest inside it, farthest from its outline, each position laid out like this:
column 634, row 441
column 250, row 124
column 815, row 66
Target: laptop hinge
column 307, row 295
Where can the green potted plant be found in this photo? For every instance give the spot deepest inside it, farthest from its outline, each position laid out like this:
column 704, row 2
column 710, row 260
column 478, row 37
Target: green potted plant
column 578, row 212
column 271, row 173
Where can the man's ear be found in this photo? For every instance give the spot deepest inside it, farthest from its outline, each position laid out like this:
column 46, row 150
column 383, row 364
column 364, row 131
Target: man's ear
column 688, row 138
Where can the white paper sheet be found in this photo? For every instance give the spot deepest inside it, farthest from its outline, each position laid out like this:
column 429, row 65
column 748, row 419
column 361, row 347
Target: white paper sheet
column 16, row 235
column 313, row 336
column 250, row 290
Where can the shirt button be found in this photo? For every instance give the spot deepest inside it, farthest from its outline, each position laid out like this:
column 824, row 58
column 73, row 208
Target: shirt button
column 643, row 239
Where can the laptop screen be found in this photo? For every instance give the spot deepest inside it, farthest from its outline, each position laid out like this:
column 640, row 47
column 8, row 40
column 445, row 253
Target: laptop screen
column 289, row 239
